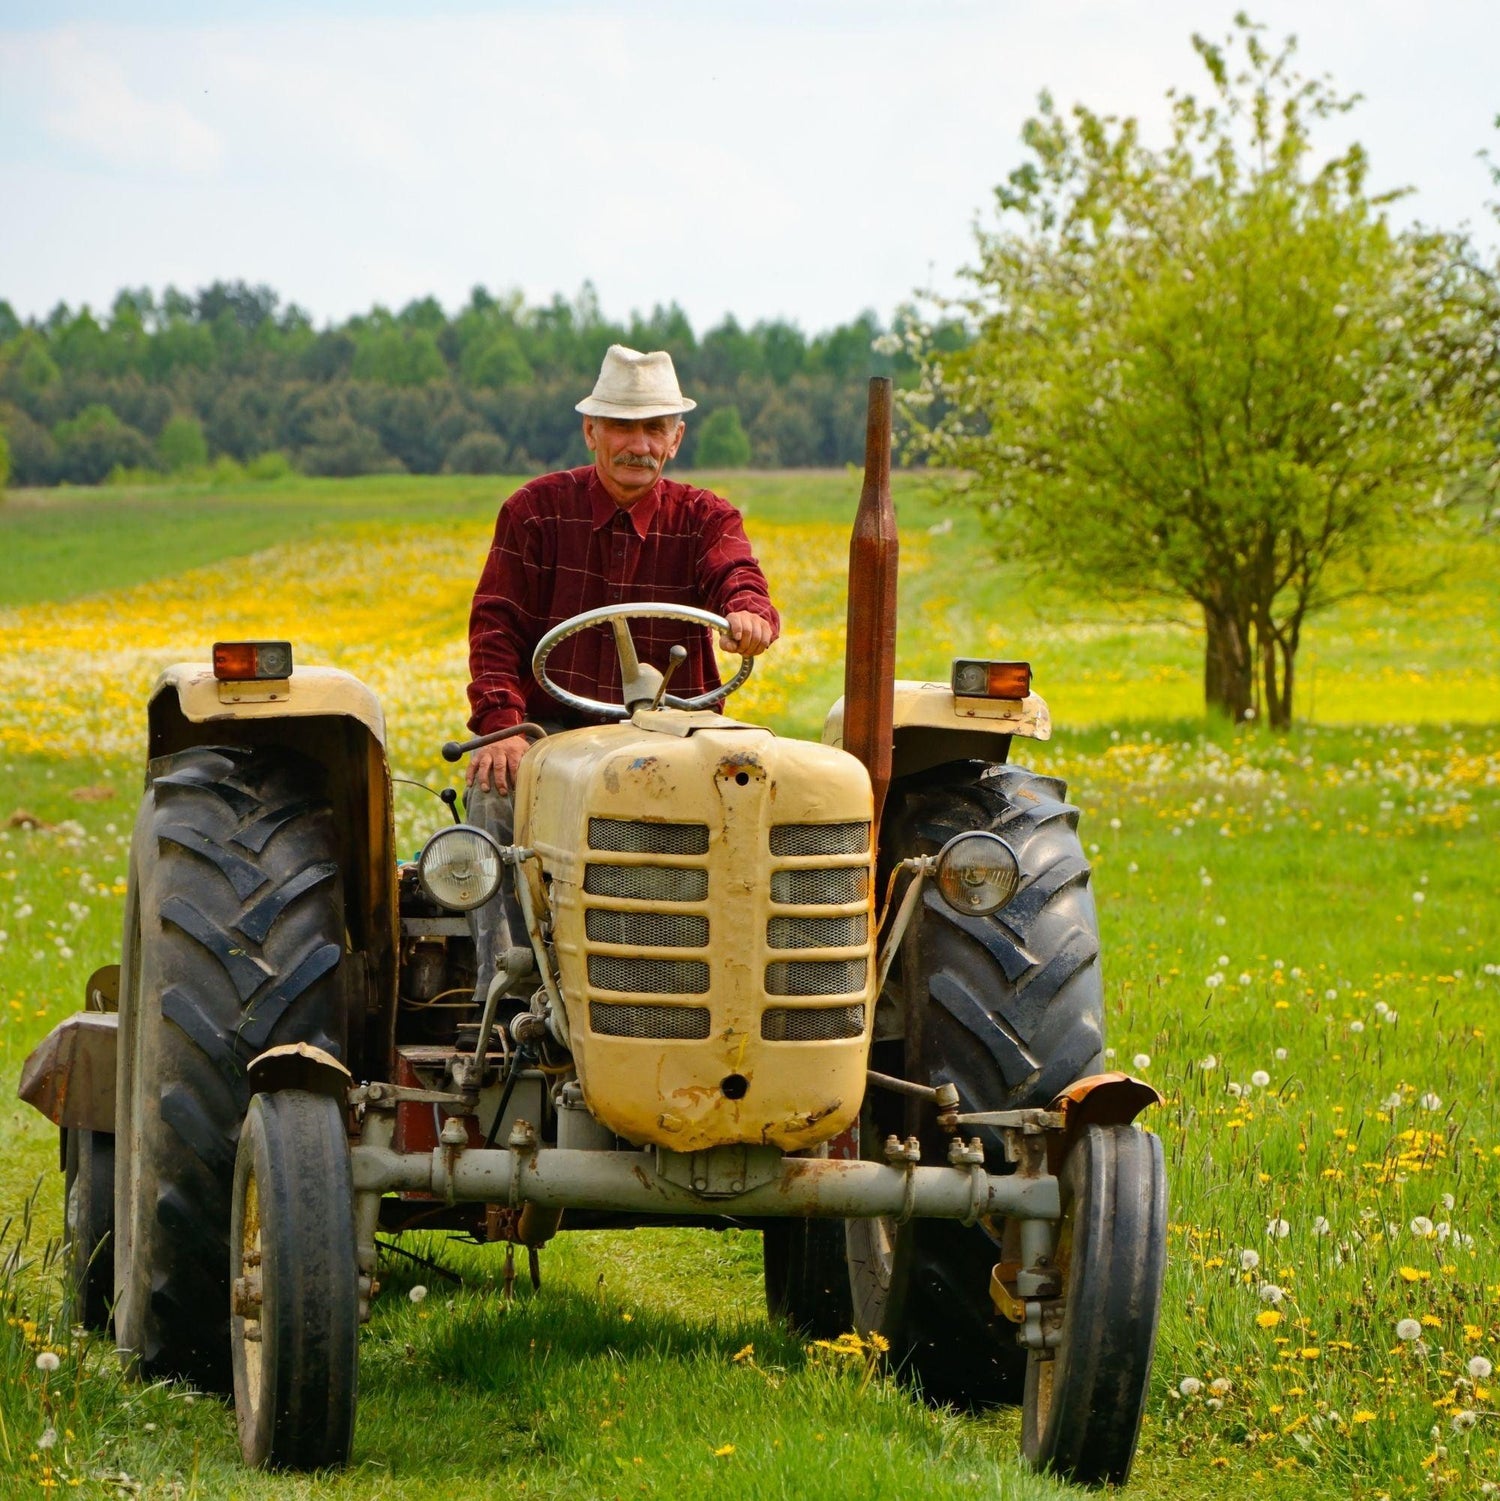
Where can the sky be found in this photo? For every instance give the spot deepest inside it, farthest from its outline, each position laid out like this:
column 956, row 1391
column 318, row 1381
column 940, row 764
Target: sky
column 796, row 160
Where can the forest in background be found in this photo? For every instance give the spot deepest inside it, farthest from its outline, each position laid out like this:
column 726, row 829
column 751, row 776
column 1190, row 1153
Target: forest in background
column 231, row 376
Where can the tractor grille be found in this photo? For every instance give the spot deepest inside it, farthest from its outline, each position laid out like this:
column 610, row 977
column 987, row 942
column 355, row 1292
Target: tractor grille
column 648, row 976
column 812, row 1023
column 627, row 837
column 816, row 976
column 647, row 883
column 820, row 888
column 820, row 838
column 818, row 932
column 646, row 930
column 684, row 1023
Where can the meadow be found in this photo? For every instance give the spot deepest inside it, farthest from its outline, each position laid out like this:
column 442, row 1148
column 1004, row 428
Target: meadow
column 1300, row 947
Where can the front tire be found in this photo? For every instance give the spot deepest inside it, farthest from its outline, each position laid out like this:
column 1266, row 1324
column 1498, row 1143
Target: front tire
column 233, row 941
column 1081, row 1415
column 1009, row 1009
column 295, row 1326
column 807, row 1277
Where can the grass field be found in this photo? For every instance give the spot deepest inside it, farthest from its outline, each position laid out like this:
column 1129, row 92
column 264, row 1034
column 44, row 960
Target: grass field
column 1300, row 946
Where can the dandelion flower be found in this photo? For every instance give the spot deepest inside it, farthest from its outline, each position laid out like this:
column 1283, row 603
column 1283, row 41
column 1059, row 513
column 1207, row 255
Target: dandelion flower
column 1418, row 897
column 1270, row 1293
column 1448, row 1201
column 47, row 1438
column 1479, row 1368
column 1213, row 980
column 1364, row 1415
column 1408, row 1329
column 1260, row 1078
column 1268, row 1318
column 47, row 1362
column 1281, row 1055
column 1208, row 1063
column 1431, row 1101
column 1392, row 1101
column 417, row 1293
column 1249, row 1259
column 724, row 1451
column 1463, row 1420
column 1320, row 1225
column 1221, row 1386
column 1278, row 1229
column 1330, row 995
column 1381, row 1008
column 1190, row 1386
column 1244, row 978
column 1422, row 1227
column 1142, row 1060
column 1223, row 961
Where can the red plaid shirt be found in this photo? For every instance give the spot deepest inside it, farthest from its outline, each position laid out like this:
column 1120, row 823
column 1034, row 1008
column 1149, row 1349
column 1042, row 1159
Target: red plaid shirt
column 563, row 546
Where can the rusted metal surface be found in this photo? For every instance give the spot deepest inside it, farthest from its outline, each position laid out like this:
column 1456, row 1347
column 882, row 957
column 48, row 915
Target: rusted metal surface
column 870, row 639
column 70, row 1075
column 298, row 1065
column 630, row 1181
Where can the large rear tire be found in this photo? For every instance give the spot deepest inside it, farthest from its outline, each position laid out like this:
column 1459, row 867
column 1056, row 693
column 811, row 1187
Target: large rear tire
column 807, row 1277
column 1007, row 1008
column 295, row 1327
column 233, row 939
column 88, row 1224
column 1082, row 1411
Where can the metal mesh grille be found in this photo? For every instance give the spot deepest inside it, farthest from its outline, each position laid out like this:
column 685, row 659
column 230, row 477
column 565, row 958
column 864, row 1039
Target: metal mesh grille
column 647, row 930
column 815, row 976
column 820, row 838
column 817, row 932
column 687, row 1023
column 647, row 883
column 649, row 976
column 812, row 1023
column 819, row 888
column 626, row 837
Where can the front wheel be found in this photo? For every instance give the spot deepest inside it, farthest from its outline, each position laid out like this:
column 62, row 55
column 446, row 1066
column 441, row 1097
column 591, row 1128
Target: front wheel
column 1081, row 1415
column 294, row 1330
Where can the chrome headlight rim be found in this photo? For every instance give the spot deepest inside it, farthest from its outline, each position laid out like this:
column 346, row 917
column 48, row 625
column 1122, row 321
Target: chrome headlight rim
column 1005, row 866
column 435, row 841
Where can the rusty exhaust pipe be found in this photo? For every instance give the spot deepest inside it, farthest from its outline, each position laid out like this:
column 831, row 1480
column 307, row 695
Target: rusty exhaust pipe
column 870, row 638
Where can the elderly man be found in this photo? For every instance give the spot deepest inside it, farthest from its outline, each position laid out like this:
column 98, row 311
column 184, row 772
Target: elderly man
column 611, row 532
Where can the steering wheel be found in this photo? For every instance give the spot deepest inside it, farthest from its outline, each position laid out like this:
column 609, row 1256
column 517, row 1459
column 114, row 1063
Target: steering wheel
column 617, row 615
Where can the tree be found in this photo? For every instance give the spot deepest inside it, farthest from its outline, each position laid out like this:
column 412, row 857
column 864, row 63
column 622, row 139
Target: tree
column 4, row 460
column 1213, row 373
column 722, row 441
column 182, row 444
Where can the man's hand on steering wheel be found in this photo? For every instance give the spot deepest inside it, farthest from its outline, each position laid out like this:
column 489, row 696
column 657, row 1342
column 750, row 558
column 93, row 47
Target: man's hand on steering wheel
column 748, row 634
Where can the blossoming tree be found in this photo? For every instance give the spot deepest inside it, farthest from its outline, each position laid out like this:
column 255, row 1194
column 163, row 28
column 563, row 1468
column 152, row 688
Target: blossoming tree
column 1214, row 373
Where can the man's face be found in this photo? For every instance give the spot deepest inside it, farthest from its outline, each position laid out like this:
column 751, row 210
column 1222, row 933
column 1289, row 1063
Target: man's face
column 631, row 454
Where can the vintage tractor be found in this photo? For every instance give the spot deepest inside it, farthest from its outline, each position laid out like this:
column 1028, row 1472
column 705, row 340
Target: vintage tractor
column 845, row 993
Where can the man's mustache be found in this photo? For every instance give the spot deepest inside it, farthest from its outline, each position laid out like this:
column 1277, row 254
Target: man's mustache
column 636, row 461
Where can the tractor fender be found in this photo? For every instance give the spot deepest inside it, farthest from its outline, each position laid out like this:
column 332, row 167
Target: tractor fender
column 299, row 1065
column 70, row 1074
column 1109, row 1099
column 932, row 726
column 333, row 719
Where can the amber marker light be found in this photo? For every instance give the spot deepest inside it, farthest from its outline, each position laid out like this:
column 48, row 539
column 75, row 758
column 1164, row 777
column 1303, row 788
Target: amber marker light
column 979, row 679
column 252, row 661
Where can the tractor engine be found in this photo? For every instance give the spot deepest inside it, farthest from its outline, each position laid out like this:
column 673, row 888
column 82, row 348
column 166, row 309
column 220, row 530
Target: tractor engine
column 706, row 889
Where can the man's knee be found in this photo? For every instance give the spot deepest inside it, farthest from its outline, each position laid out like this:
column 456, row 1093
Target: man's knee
column 494, row 812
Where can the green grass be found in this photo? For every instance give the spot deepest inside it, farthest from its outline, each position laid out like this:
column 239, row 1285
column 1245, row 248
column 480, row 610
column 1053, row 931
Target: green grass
column 1288, row 868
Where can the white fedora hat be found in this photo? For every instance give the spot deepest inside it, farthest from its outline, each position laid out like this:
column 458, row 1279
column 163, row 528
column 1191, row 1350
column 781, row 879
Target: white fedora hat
column 635, row 385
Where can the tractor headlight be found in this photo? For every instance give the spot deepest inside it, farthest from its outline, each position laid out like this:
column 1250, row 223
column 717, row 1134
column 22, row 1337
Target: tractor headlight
column 977, row 873
column 460, row 867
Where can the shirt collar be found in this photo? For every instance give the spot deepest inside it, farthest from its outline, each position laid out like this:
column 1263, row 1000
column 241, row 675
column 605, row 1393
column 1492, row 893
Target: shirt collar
column 641, row 514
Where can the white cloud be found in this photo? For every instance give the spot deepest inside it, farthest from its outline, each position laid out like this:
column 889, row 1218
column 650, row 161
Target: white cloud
column 90, row 103
column 803, row 159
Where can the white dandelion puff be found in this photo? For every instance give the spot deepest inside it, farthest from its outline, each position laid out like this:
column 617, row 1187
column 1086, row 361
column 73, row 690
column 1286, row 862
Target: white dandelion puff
column 1260, row 1078
column 1479, row 1368
column 47, row 1362
column 1190, row 1386
column 417, row 1293
column 1408, row 1330
column 1249, row 1259
column 1278, row 1229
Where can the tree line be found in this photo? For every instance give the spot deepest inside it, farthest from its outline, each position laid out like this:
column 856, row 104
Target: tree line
column 175, row 382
